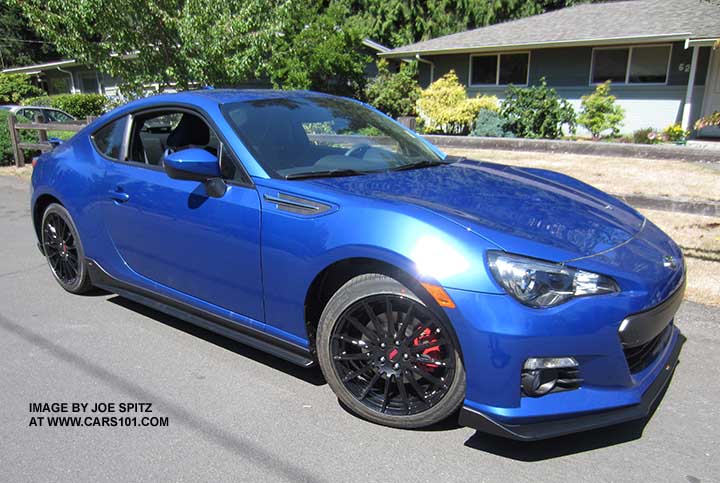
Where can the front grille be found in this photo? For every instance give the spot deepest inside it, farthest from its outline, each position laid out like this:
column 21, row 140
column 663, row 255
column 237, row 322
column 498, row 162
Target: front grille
column 640, row 356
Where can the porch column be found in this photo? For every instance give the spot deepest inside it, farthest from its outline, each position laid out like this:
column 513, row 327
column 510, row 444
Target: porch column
column 690, row 87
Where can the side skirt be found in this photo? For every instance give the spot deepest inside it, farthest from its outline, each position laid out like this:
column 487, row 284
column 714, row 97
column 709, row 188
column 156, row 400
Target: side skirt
column 202, row 318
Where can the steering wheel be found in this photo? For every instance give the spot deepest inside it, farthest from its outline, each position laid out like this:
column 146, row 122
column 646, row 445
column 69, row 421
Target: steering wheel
column 358, row 150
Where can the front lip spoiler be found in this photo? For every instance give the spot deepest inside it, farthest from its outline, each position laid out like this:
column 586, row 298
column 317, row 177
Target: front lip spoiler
column 558, row 427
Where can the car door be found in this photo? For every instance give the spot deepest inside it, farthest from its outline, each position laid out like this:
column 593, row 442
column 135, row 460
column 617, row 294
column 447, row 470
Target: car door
column 170, row 232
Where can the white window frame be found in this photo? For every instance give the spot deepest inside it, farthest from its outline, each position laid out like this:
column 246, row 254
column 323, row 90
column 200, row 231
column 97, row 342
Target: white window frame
column 630, row 49
column 497, row 69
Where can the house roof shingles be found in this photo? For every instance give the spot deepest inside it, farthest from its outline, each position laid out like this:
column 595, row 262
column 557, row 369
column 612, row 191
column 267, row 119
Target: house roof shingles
column 621, row 20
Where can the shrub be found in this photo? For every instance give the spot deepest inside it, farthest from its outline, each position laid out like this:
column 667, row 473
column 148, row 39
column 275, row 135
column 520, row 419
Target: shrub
column 600, row 113
column 77, row 105
column 646, row 135
column 489, row 124
column 16, row 87
column 395, row 94
column 537, row 112
column 6, row 152
column 445, row 108
column 675, row 133
column 712, row 120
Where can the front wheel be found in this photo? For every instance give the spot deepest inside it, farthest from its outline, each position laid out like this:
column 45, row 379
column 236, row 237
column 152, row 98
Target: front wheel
column 387, row 356
column 63, row 250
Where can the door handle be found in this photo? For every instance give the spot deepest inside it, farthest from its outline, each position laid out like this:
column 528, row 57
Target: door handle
column 119, row 196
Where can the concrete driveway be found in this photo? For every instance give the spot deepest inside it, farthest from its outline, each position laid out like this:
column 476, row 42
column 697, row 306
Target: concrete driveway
column 237, row 414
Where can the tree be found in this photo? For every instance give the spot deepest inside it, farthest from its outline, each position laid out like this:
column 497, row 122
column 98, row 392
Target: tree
column 319, row 49
column 400, row 22
column 293, row 43
column 394, row 93
column 136, row 40
column 600, row 113
column 16, row 87
column 19, row 44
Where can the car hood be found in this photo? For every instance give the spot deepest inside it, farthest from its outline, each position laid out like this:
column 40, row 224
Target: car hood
column 518, row 209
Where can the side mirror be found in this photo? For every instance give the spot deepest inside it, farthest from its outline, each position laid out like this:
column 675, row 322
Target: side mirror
column 55, row 142
column 195, row 164
column 192, row 164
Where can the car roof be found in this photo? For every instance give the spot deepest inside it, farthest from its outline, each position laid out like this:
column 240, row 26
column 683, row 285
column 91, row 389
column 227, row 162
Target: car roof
column 224, row 96
column 38, row 107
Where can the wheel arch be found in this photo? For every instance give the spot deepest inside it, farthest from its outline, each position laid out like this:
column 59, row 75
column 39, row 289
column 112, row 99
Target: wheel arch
column 335, row 275
column 41, row 204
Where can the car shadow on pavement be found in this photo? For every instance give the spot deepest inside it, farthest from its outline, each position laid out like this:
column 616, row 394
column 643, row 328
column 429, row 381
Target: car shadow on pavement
column 570, row 444
column 311, row 375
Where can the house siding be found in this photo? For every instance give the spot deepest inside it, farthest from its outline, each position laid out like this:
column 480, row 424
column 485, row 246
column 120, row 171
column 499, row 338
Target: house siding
column 568, row 71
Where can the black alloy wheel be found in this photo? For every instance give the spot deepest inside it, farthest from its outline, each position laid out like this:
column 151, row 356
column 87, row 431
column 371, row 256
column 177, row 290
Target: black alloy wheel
column 392, row 359
column 63, row 250
column 60, row 249
column 392, row 354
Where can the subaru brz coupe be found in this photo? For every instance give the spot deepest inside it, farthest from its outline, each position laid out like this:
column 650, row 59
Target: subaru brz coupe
column 317, row 229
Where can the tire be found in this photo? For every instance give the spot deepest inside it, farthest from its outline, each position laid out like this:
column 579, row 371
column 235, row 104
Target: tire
column 63, row 250
column 389, row 391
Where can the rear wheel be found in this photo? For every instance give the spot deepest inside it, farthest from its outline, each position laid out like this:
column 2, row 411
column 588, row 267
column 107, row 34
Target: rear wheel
column 387, row 356
column 63, row 250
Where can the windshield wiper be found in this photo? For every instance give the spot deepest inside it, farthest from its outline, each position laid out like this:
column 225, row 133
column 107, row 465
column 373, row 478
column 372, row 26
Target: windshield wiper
column 420, row 164
column 331, row 173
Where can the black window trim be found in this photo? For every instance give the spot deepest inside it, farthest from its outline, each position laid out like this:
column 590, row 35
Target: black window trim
column 498, row 55
column 177, row 106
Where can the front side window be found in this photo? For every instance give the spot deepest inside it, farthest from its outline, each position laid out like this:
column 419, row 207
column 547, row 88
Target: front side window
column 499, row 69
column 109, row 138
column 32, row 115
column 52, row 115
column 631, row 65
column 303, row 136
column 156, row 133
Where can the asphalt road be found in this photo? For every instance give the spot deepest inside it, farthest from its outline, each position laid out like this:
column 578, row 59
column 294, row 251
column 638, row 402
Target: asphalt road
column 237, row 414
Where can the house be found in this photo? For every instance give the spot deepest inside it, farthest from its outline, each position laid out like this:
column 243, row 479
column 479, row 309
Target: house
column 659, row 54
column 68, row 77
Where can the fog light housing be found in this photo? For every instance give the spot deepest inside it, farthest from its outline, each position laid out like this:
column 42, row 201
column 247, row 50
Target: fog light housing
column 543, row 375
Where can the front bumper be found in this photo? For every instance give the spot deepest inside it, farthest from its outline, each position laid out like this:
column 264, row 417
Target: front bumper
column 625, row 360
column 558, row 427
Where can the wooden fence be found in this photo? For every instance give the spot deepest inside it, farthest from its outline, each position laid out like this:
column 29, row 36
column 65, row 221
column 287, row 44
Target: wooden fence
column 42, row 128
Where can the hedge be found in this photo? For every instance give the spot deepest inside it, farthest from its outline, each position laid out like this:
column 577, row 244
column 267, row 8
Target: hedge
column 77, row 105
column 6, row 152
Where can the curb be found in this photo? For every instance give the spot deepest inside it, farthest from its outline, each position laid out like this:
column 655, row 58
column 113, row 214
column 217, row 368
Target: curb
column 673, row 152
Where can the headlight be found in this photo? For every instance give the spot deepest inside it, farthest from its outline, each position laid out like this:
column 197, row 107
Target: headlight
column 536, row 283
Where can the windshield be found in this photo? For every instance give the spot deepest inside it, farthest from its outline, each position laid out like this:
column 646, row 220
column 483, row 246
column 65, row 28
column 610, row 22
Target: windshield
column 301, row 137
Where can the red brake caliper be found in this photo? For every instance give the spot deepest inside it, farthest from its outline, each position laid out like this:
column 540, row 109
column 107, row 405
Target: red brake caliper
column 433, row 351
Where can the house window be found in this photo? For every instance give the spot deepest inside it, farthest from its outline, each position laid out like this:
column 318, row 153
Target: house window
column 649, row 65
column 631, row 65
column 499, row 69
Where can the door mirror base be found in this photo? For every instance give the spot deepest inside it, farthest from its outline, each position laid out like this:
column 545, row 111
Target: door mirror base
column 215, row 187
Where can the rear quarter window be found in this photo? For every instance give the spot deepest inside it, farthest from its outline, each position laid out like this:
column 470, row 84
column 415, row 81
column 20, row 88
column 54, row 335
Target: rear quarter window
column 109, row 138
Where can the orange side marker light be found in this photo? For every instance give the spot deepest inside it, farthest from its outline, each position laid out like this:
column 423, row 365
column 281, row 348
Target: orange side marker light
column 440, row 295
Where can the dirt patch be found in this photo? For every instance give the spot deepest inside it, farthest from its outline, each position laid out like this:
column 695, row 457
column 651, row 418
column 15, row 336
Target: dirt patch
column 25, row 172
column 699, row 237
column 623, row 176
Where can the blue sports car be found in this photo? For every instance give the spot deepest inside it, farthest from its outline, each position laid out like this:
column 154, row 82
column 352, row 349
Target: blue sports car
column 317, row 229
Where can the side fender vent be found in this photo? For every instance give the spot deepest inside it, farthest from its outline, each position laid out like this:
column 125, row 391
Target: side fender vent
column 296, row 205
